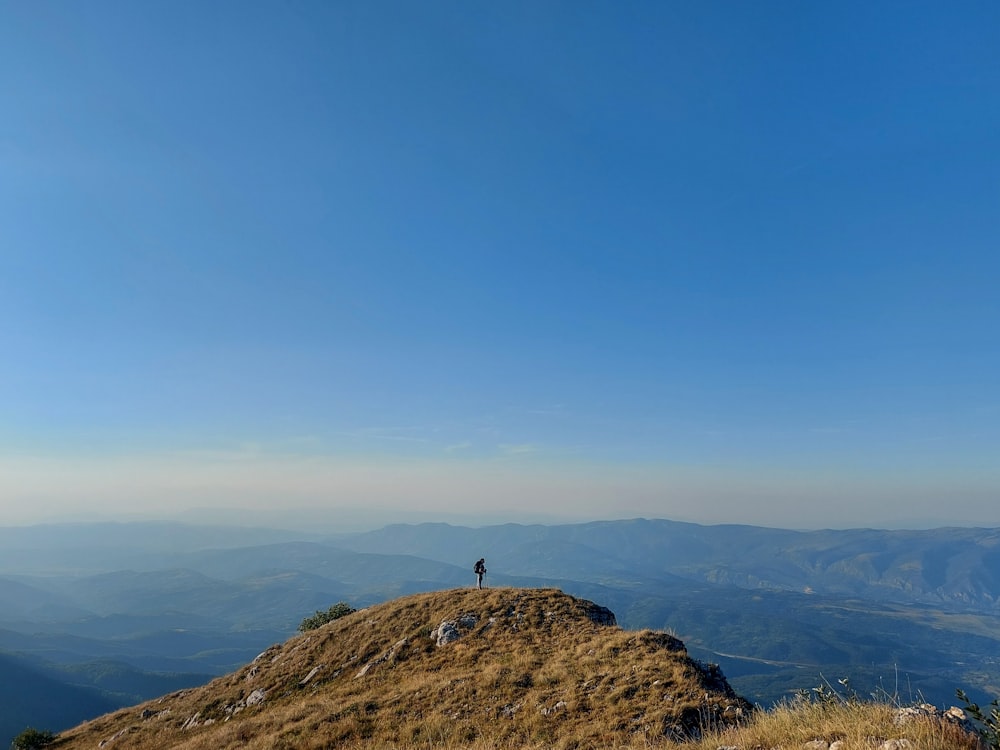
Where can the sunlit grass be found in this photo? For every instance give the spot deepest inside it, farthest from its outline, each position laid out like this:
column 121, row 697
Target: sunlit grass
column 529, row 671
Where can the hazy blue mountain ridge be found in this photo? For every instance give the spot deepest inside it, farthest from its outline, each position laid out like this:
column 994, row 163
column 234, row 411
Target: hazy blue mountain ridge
column 41, row 693
column 80, row 548
column 29, row 695
column 956, row 567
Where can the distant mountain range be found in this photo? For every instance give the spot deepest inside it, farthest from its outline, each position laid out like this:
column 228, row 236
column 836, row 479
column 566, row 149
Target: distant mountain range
column 954, row 567
column 902, row 611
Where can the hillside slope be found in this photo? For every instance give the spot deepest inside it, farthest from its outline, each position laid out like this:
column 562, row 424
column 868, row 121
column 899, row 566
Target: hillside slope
column 506, row 666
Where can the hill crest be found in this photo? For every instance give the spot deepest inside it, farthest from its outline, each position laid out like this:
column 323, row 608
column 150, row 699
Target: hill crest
column 511, row 666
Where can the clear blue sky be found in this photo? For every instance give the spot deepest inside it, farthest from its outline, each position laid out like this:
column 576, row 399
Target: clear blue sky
column 701, row 260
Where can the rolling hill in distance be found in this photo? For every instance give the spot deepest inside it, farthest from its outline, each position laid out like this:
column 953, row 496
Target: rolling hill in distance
column 915, row 613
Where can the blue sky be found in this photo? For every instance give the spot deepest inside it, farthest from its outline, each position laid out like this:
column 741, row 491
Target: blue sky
column 714, row 261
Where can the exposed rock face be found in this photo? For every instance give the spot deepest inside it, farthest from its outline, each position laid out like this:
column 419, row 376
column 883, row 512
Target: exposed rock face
column 312, row 673
column 452, row 630
column 446, row 632
column 907, row 714
column 714, row 679
column 929, row 712
column 600, row 615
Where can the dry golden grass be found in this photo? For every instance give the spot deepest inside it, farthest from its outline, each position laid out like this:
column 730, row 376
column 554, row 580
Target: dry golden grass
column 531, row 671
column 861, row 725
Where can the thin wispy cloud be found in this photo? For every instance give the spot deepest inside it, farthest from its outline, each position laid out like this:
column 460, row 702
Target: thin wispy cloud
column 525, row 450
column 554, row 410
column 396, row 434
column 520, row 449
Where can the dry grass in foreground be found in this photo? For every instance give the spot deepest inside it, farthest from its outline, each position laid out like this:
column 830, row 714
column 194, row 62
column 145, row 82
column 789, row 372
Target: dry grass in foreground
column 792, row 726
column 855, row 724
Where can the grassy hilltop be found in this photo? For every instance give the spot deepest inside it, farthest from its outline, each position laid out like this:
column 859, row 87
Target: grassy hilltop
column 499, row 668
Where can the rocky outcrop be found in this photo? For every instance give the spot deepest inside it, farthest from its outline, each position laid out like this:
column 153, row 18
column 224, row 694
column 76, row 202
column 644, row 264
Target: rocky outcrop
column 599, row 615
column 925, row 711
column 451, row 630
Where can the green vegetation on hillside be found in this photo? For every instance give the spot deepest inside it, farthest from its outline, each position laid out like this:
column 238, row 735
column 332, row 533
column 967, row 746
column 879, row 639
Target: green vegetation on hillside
column 335, row 612
column 987, row 719
column 32, row 739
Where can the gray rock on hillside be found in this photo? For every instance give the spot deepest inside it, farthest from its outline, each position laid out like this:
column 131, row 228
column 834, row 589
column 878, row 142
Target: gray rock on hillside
column 451, row 630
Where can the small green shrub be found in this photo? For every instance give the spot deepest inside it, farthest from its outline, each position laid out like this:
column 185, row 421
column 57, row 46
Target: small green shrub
column 988, row 721
column 31, row 739
column 335, row 612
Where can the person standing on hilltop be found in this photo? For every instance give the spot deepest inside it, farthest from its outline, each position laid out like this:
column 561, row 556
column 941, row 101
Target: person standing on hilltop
column 480, row 571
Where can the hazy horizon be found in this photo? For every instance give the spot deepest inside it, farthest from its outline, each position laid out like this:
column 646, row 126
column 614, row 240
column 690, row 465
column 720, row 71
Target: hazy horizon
column 715, row 262
column 318, row 522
